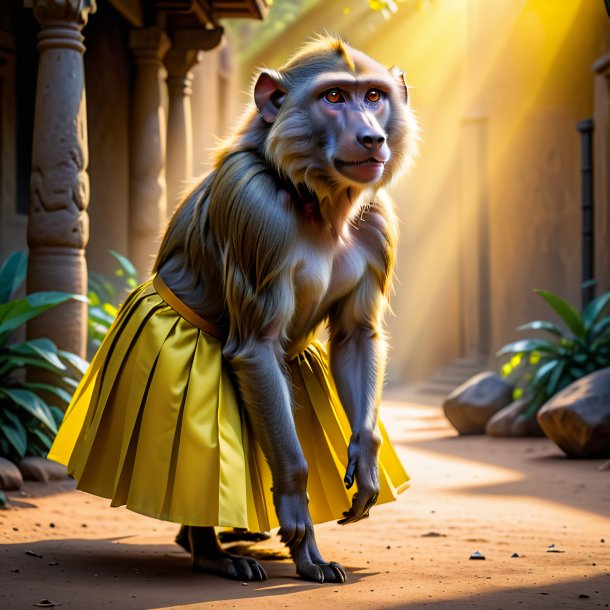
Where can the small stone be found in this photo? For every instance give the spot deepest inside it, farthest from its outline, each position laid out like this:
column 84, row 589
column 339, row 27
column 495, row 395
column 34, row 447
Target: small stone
column 51, row 524
column 45, row 603
column 16, row 570
column 40, row 469
column 477, row 555
column 553, row 549
column 10, row 477
column 583, row 596
column 54, row 563
column 515, row 555
column 32, row 554
column 244, row 584
column 434, row 535
column 388, row 547
column 605, row 465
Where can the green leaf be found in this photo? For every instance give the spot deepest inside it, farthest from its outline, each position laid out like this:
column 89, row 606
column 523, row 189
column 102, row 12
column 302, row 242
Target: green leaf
column 14, row 432
column 526, row 346
column 76, row 361
column 594, row 309
column 565, row 311
column 71, row 383
column 45, row 348
column 125, row 263
column 12, row 274
column 553, row 383
column 47, row 387
column 544, row 371
column 16, row 313
column 101, row 315
column 17, row 361
column 58, row 414
column 32, row 403
column 45, row 439
column 599, row 329
column 542, row 325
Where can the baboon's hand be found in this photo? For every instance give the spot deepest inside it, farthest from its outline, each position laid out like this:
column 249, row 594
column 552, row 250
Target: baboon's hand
column 362, row 453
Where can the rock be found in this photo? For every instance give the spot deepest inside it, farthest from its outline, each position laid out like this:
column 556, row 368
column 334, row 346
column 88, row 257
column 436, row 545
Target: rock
column 512, row 421
column 39, row 469
column 469, row 407
column 477, row 555
column 10, row 477
column 577, row 419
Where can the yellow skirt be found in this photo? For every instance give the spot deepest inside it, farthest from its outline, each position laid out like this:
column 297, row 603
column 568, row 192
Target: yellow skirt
column 156, row 425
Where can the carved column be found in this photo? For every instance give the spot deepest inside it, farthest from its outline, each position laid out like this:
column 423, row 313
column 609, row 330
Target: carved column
column 186, row 51
column 58, row 227
column 147, row 193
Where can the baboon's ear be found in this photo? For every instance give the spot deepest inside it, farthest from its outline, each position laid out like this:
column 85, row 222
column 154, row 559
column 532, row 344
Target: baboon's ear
column 399, row 77
column 268, row 95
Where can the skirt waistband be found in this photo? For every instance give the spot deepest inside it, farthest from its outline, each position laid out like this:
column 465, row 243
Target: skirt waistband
column 183, row 310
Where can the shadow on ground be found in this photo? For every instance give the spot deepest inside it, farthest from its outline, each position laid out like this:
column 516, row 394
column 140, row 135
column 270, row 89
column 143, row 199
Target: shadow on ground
column 131, row 577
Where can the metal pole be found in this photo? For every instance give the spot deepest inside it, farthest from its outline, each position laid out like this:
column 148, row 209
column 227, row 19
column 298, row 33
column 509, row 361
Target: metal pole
column 588, row 254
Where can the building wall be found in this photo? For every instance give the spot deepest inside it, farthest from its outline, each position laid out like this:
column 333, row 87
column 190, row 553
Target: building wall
column 491, row 208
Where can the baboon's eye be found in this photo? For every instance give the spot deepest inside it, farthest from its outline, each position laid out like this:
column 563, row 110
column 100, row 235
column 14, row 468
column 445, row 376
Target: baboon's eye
column 373, row 96
column 334, row 96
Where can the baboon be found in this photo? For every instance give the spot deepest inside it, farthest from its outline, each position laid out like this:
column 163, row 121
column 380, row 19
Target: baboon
column 211, row 403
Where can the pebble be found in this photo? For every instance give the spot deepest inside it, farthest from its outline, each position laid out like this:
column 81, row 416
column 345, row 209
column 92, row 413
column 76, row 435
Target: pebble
column 583, row 596
column 477, row 555
column 553, row 549
column 515, row 555
column 32, row 554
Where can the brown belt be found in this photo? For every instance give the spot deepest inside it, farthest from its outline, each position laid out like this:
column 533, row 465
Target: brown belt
column 180, row 308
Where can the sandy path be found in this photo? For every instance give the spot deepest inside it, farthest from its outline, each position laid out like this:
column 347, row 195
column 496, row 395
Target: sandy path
column 468, row 494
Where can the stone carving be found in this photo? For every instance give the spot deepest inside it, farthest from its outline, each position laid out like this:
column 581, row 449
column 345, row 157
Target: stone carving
column 58, row 226
column 62, row 10
column 470, row 406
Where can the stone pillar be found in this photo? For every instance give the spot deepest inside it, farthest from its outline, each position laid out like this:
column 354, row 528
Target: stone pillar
column 601, row 171
column 147, row 192
column 186, row 51
column 58, row 226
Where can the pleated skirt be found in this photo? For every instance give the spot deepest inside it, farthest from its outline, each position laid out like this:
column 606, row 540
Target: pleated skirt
column 156, row 425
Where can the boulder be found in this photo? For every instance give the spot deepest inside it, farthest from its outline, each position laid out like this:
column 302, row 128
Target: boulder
column 577, row 419
column 10, row 477
column 39, row 469
column 469, row 407
column 513, row 421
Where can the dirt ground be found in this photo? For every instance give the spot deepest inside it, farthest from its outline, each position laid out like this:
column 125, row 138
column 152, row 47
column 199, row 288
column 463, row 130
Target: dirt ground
column 468, row 494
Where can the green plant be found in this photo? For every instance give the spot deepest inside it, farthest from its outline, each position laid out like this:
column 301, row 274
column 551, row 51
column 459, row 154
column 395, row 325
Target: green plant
column 541, row 367
column 28, row 423
column 105, row 295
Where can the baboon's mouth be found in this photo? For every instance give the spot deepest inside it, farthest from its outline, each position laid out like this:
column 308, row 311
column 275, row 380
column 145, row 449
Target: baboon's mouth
column 341, row 162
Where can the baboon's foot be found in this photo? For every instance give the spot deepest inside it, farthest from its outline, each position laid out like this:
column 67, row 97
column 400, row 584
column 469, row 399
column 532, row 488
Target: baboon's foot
column 182, row 538
column 231, row 566
column 208, row 556
column 311, row 566
column 238, row 534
